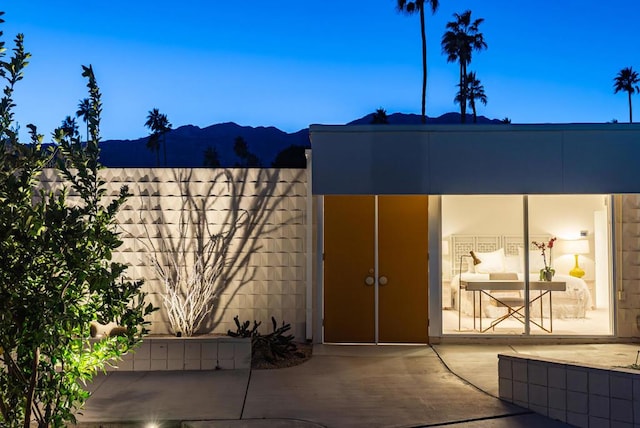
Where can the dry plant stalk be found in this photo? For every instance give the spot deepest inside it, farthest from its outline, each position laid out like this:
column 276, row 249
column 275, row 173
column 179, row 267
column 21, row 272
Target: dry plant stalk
column 189, row 293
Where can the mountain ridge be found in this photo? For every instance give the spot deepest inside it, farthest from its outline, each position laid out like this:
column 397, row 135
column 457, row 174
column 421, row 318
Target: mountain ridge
column 186, row 144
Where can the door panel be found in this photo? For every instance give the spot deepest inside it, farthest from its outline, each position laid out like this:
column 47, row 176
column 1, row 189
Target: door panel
column 403, row 260
column 349, row 245
column 349, row 306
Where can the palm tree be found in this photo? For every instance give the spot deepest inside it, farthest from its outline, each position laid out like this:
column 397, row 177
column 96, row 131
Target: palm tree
column 159, row 125
column 627, row 80
column 70, row 127
column 84, row 111
column 458, row 42
column 473, row 91
column 380, row 117
column 211, row 157
column 411, row 7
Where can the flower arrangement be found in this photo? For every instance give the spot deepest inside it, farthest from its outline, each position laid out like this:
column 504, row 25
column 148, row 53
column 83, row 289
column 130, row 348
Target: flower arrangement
column 546, row 273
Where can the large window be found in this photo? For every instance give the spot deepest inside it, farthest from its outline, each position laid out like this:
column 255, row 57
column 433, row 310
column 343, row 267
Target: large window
column 490, row 287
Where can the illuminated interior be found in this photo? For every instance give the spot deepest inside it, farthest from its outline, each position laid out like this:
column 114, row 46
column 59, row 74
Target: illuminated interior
column 489, row 297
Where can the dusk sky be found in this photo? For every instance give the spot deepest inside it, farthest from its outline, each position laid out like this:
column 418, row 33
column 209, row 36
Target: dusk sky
column 293, row 63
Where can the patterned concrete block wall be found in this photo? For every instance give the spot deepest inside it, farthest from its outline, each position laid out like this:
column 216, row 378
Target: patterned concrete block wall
column 628, row 266
column 260, row 211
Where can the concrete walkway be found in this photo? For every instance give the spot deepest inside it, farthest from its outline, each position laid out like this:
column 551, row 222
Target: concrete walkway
column 341, row 386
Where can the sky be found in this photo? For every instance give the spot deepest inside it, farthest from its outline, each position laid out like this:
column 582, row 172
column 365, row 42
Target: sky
column 290, row 64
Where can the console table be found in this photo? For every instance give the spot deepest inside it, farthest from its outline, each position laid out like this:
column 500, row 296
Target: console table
column 515, row 306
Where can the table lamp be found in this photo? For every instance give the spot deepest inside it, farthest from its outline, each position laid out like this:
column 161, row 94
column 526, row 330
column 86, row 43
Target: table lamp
column 577, row 247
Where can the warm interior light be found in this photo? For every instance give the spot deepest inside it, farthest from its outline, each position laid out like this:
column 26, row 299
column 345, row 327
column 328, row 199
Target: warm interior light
column 445, row 248
column 576, row 247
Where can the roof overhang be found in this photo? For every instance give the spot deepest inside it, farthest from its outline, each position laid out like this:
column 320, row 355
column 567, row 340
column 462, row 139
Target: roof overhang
column 476, row 159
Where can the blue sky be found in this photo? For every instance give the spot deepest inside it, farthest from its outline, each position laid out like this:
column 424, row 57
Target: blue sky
column 293, row 63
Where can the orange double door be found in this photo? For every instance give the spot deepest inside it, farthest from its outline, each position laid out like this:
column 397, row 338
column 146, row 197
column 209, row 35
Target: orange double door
column 360, row 307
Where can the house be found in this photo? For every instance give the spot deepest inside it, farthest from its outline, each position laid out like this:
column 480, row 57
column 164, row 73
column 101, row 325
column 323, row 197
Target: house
column 403, row 209
column 372, row 242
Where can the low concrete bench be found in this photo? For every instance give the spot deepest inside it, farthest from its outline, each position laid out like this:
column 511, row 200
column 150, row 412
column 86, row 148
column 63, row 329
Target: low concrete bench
column 578, row 394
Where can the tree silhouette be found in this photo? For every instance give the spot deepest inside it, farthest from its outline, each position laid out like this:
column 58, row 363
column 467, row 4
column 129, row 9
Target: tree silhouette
column 458, row 42
column 247, row 159
column 291, row 157
column 211, row 157
column 380, row 117
column 506, row 121
column 69, row 127
column 474, row 90
column 627, row 81
column 84, row 112
column 159, row 125
column 417, row 6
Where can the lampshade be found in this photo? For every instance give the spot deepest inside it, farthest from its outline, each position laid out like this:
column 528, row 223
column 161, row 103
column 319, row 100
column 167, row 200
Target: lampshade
column 445, row 248
column 578, row 246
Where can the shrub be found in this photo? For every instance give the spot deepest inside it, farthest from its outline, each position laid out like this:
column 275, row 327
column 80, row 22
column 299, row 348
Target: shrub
column 269, row 347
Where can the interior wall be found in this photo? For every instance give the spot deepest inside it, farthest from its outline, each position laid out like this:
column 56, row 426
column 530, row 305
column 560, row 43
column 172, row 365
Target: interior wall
column 562, row 216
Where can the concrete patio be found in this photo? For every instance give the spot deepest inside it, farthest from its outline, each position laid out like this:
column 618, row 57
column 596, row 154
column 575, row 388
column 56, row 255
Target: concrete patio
column 341, row 386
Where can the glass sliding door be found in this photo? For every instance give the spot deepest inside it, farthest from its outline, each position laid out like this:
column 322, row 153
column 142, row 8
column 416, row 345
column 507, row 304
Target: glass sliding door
column 481, row 235
column 563, row 287
column 578, row 300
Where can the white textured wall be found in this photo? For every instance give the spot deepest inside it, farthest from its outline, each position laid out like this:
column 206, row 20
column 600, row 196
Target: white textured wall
column 628, row 266
column 268, row 251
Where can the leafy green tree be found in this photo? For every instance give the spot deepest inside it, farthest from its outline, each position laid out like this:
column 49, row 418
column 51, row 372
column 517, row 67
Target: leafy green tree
column 458, row 42
column 83, row 112
column 247, row 158
column 211, row 157
column 627, row 80
column 417, row 6
column 56, row 273
column 380, row 117
column 159, row 125
column 474, row 91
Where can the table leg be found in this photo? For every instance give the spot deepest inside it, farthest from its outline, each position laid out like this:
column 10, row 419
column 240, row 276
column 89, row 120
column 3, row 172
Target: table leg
column 459, row 305
column 480, row 308
column 550, row 314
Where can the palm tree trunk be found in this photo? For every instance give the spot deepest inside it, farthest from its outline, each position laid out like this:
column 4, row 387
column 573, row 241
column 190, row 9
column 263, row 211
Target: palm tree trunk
column 424, row 64
column 473, row 108
column 630, row 110
column 462, row 97
column 164, row 147
column 463, row 82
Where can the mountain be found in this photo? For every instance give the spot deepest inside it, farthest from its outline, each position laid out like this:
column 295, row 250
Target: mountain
column 186, row 145
column 416, row 119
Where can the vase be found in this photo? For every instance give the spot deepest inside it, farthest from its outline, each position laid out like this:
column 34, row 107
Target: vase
column 546, row 274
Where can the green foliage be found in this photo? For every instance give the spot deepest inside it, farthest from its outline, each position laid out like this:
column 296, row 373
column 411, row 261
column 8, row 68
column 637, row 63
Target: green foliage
column 56, row 273
column 270, row 347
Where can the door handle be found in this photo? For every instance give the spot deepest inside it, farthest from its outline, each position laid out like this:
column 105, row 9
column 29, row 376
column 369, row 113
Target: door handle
column 369, row 280
column 383, row 280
